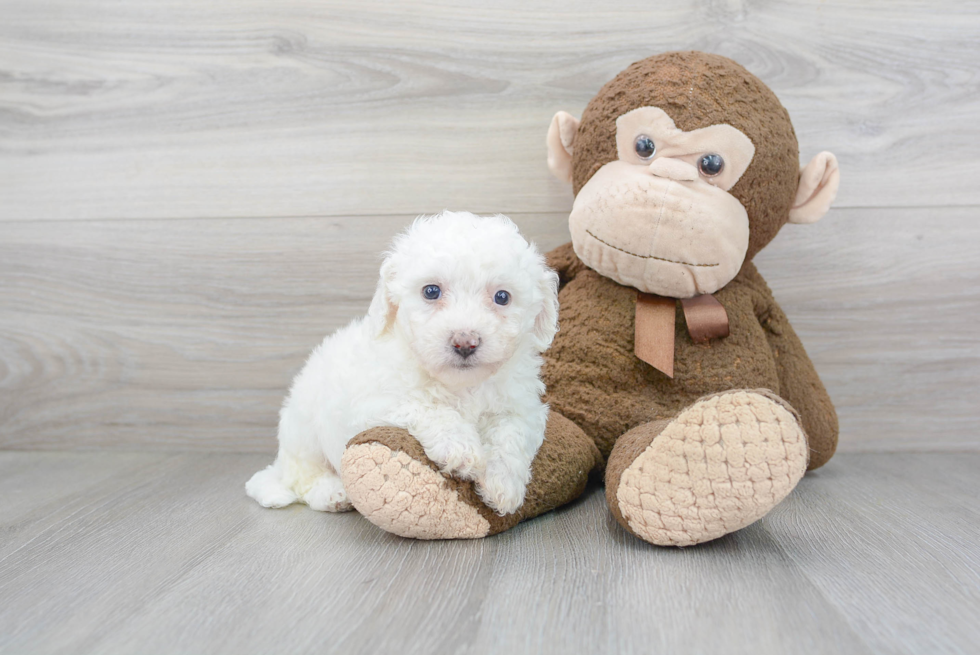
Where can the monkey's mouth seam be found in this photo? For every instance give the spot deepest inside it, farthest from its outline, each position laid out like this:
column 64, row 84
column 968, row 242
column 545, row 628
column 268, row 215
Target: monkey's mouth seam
column 633, row 254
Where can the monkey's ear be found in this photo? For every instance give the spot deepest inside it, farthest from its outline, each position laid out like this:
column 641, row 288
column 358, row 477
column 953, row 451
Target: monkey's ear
column 381, row 313
column 819, row 181
column 561, row 140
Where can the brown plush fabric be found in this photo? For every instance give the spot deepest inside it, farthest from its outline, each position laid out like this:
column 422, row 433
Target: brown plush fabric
column 594, row 378
column 799, row 384
column 697, row 89
column 559, row 473
column 561, row 468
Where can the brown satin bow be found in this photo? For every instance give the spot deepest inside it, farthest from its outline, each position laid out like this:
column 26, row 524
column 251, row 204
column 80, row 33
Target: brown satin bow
column 654, row 341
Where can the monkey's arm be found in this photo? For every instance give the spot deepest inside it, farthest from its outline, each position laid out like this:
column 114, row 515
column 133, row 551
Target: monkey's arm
column 798, row 380
column 565, row 263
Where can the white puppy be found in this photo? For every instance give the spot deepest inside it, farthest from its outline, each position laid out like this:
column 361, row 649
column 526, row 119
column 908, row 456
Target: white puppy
column 450, row 351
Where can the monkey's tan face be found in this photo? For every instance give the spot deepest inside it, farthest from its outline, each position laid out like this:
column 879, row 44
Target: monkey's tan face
column 660, row 218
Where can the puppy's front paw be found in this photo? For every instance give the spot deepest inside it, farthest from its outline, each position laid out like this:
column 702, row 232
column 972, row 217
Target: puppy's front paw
column 460, row 458
column 503, row 489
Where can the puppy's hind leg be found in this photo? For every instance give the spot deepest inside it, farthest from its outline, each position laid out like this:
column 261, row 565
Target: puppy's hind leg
column 327, row 494
column 291, row 479
column 268, row 489
column 302, row 471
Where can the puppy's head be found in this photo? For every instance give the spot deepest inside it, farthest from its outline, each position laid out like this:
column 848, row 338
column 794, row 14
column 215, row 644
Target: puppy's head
column 466, row 293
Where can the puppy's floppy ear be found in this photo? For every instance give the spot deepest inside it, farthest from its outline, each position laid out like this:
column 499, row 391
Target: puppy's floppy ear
column 546, row 322
column 381, row 314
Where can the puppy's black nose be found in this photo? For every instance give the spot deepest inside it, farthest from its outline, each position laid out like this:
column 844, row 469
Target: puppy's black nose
column 465, row 343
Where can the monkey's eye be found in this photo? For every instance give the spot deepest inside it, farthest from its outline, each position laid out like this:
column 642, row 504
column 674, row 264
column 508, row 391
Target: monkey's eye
column 501, row 298
column 431, row 292
column 711, row 165
column 644, row 146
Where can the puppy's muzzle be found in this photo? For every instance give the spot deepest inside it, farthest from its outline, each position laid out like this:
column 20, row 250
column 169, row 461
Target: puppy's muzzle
column 465, row 343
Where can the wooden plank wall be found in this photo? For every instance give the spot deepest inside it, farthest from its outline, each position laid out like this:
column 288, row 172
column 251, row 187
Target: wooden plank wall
column 192, row 194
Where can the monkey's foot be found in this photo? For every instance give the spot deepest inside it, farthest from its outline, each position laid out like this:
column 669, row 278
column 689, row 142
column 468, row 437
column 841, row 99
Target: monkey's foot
column 720, row 465
column 394, row 485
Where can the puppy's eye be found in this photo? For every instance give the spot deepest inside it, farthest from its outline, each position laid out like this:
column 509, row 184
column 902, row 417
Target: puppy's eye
column 431, row 292
column 644, row 146
column 711, row 165
column 501, row 298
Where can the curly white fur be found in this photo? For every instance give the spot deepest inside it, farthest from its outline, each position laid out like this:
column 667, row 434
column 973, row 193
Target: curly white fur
column 478, row 417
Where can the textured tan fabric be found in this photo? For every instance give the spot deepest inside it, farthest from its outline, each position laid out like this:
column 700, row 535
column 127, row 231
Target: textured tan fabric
column 719, row 466
column 403, row 496
column 628, row 448
column 390, row 481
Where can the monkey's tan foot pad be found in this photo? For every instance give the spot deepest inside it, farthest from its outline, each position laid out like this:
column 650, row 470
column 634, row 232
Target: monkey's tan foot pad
column 404, row 496
column 722, row 464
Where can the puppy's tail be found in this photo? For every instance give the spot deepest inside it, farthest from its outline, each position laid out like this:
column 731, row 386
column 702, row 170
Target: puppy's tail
column 268, row 488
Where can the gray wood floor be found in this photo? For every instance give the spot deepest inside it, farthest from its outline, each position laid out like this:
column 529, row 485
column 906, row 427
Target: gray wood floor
column 163, row 553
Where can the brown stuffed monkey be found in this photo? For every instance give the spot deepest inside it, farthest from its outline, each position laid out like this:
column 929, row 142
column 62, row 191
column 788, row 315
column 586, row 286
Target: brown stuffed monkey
column 674, row 367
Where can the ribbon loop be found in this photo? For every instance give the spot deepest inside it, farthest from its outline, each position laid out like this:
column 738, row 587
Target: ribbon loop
column 706, row 318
